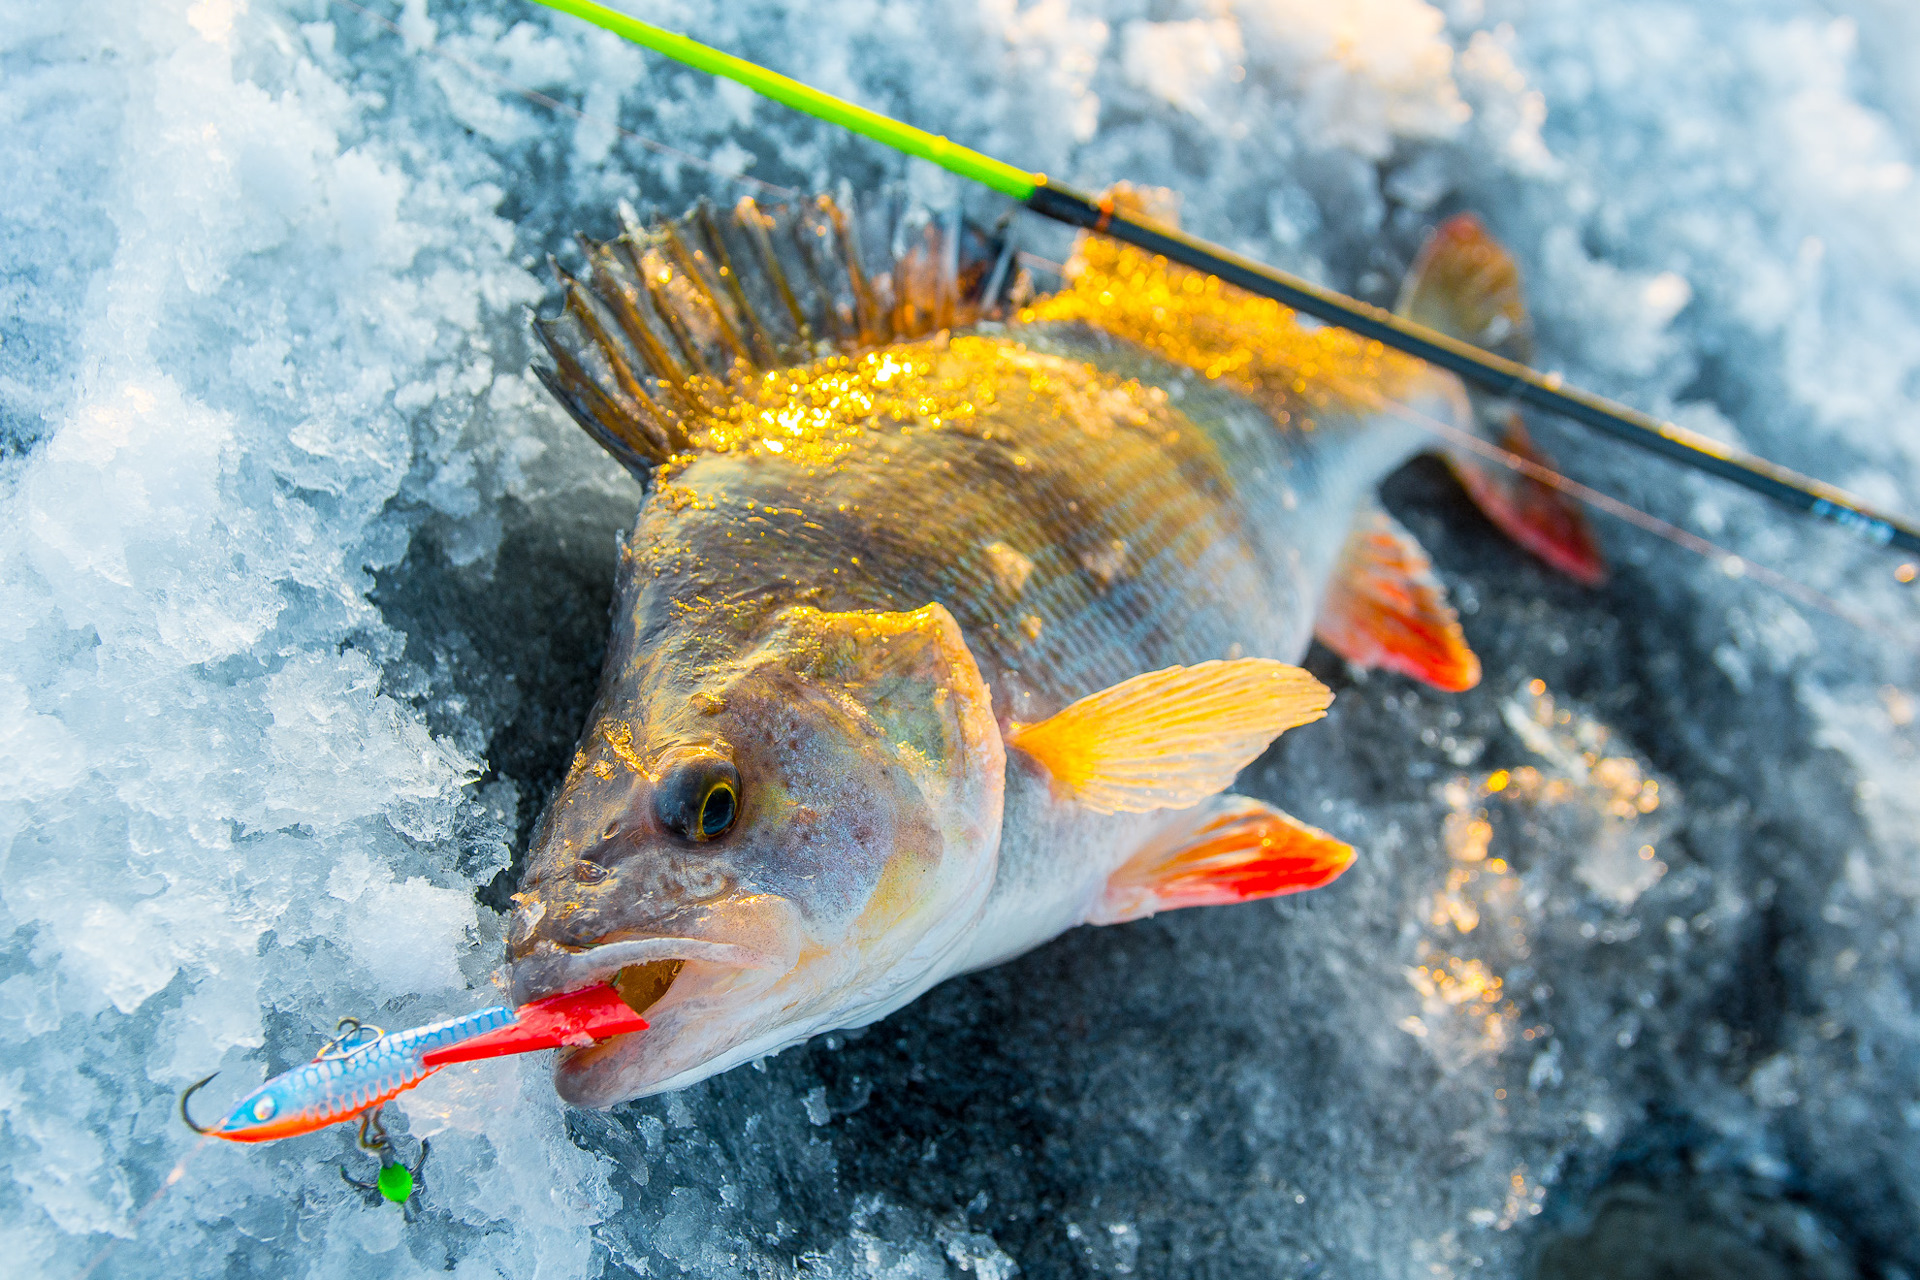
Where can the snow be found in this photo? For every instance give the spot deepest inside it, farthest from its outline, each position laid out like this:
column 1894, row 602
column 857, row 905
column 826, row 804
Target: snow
column 302, row 590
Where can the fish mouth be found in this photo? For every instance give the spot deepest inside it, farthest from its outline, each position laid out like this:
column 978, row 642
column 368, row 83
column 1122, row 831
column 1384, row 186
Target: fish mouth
column 640, row 986
column 644, row 966
column 693, row 984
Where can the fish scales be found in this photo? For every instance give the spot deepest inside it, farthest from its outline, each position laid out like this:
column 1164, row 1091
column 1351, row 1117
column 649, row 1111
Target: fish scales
column 1068, row 447
column 812, row 783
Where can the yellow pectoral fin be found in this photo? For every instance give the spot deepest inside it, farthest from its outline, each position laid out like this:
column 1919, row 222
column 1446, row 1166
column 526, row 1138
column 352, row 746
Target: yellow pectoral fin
column 1169, row 739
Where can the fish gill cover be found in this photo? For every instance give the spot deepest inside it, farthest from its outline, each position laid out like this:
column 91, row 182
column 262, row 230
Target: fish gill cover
column 302, row 592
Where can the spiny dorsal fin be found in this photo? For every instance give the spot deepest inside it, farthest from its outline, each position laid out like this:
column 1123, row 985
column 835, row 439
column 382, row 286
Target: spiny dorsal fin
column 673, row 315
column 1385, row 608
column 1171, row 738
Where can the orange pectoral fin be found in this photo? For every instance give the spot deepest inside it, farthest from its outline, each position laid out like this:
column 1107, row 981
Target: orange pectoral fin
column 1171, row 738
column 1232, row 850
column 1385, row 608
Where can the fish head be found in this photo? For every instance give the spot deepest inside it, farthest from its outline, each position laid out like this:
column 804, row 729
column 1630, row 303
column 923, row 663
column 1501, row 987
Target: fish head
column 760, row 847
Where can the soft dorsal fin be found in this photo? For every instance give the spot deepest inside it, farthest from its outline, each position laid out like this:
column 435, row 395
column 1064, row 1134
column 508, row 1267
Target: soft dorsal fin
column 1230, row 849
column 1169, row 739
column 1385, row 608
column 1162, row 204
column 1465, row 284
column 673, row 315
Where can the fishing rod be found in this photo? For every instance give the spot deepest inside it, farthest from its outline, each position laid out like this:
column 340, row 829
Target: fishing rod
column 1490, row 372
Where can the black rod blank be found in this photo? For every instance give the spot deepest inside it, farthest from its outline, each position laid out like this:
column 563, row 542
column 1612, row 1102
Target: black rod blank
column 1490, row 372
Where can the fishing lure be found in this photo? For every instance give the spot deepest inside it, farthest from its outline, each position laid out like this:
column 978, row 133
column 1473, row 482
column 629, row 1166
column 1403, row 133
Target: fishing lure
column 364, row 1066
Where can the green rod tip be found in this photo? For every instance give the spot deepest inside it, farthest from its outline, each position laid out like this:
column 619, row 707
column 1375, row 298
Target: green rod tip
column 997, row 174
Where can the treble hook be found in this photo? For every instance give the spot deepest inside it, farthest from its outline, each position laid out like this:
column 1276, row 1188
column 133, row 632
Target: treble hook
column 395, row 1181
column 188, row 1093
column 370, row 1119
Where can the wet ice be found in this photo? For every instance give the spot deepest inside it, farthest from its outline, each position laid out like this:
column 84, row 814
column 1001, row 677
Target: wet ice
column 302, row 585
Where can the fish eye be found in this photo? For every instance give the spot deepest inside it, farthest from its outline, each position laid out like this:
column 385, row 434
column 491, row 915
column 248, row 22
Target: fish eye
column 717, row 810
column 698, row 799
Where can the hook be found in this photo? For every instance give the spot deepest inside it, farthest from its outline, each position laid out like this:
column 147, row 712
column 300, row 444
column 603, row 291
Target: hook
column 370, row 1119
column 349, row 1034
column 188, row 1093
column 396, row 1181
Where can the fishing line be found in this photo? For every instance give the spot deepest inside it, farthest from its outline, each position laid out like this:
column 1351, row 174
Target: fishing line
column 1730, row 562
column 1029, row 259
column 1060, row 204
column 535, row 96
column 1490, row 372
column 178, row 1172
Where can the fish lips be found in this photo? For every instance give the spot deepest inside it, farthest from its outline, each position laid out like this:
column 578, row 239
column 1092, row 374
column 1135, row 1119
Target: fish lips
column 551, row 970
column 693, row 1021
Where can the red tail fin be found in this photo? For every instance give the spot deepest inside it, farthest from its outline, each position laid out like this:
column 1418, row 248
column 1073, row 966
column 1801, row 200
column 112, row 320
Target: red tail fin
column 1543, row 520
column 1466, row 285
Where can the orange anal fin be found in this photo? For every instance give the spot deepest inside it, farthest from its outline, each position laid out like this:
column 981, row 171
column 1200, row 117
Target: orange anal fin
column 1168, row 739
column 1385, row 608
column 1232, row 849
column 1538, row 517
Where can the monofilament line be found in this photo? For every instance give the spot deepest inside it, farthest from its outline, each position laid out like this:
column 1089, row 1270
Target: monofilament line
column 1730, row 562
column 1490, row 372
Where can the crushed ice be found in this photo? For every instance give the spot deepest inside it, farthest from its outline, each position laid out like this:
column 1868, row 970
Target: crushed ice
column 270, row 462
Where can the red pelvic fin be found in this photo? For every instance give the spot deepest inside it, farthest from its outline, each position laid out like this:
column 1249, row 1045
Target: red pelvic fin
column 1385, row 608
column 578, row 1017
column 1230, row 849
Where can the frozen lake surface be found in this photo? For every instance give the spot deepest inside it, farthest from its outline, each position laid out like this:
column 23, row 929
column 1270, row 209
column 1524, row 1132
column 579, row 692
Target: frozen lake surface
column 303, row 584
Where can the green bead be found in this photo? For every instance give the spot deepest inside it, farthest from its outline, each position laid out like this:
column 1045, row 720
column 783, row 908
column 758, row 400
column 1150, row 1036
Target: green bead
column 396, row 1183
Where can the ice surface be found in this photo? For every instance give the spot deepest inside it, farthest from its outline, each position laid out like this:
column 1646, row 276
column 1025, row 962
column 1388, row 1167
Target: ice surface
column 302, row 589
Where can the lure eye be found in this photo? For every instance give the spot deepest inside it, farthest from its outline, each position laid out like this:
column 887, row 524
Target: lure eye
column 699, row 798
column 263, row 1109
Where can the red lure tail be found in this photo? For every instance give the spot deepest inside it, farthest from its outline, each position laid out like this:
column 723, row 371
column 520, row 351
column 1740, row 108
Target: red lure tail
column 576, row 1018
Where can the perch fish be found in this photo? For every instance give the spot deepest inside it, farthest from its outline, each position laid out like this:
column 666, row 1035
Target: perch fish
column 944, row 629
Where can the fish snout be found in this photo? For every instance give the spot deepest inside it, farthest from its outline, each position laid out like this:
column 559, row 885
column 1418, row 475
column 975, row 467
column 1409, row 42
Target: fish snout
column 528, row 911
column 540, row 968
column 567, row 922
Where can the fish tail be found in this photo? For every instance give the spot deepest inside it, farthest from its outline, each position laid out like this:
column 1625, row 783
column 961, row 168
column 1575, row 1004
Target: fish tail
column 672, row 319
column 1466, row 285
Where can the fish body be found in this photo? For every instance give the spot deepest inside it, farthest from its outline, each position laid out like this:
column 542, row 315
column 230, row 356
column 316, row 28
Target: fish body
column 879, row 705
